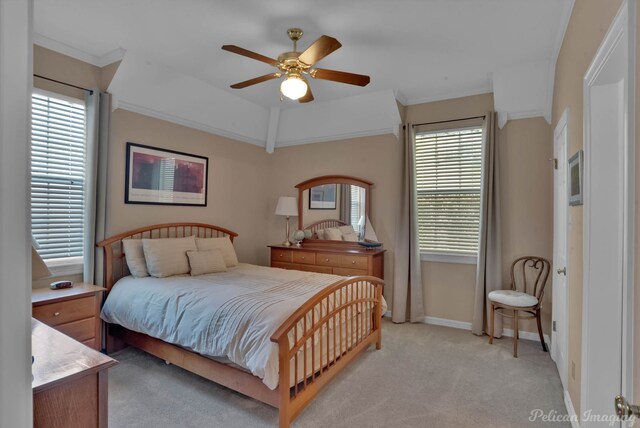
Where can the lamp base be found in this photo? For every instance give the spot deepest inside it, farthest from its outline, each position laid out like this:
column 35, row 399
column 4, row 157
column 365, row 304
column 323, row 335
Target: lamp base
column 286, row 244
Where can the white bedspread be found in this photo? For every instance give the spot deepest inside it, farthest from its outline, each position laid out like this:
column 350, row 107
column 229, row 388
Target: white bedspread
column 231, row 314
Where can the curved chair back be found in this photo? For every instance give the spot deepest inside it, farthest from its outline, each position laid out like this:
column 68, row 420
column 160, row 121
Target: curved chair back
column 529, row 275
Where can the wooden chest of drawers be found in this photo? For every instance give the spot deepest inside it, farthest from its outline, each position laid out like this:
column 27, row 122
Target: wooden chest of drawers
column 72, row 311
column 337, row 260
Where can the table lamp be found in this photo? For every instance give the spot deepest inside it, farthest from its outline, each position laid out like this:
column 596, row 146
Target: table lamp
column 288, row 207
column 39, row 270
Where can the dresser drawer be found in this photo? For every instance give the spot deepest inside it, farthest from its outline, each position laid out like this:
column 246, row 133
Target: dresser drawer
column 354, row 262
column 278, row 255
column 289, row 266
column 349, row 272
column 304, row 257
column 318, row 269
column 328, row 259
column 79, row 330
column 66, row 311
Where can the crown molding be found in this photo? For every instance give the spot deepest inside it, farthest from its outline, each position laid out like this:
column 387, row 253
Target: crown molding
column 124, row 105
column 338, row 137
column 80, row 55
column 450, row 95
column 557, row 46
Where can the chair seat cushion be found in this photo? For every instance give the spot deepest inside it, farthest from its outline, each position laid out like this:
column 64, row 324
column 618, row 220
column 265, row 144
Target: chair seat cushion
column 513, row 298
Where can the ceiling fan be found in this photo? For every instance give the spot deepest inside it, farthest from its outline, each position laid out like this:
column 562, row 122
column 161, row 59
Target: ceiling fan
column 295, row 65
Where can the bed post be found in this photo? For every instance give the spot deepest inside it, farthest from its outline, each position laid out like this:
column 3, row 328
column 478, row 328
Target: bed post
column 378, row 319
column 284, row 382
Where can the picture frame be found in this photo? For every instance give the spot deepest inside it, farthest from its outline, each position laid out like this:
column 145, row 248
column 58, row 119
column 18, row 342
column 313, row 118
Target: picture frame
column 323, row 197
column 575, row 178
column 157, row 176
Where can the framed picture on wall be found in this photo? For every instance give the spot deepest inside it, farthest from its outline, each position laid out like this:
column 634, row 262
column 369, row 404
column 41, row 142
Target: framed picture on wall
column 575, row 178
column 323, row 197
column 165, row 177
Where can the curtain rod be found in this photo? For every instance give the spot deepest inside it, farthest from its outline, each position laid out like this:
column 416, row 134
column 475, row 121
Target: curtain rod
column 452, row 120
column 64, row 83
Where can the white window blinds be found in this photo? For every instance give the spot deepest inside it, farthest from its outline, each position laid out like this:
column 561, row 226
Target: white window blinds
column 58, row 152
column 448, row 181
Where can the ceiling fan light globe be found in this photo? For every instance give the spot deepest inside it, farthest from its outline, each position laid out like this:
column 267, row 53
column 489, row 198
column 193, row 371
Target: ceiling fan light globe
column 293, row 87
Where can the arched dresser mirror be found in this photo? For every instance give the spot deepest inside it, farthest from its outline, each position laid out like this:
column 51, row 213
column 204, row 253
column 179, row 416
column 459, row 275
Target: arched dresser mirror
column 334, row 208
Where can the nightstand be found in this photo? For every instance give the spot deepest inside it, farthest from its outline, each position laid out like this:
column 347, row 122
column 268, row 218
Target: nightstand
column 73, row 311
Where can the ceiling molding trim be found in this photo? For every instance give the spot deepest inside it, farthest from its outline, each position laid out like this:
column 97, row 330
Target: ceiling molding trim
column 111, row 57
column 402, row 99
column 272, row 131
column 124, row 105
column 450, row 95
column 557, row 46
column 54, row 45
column 337, row 137
column 526, row 114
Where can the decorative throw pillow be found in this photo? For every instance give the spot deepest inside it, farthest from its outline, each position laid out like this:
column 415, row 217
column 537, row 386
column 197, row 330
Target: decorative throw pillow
column 223, row 244
column 333, row 234
column 134, row 254
column 350, row 236
column 345, row 230
column 168, row 256
column 320, row 233
column 209, row 261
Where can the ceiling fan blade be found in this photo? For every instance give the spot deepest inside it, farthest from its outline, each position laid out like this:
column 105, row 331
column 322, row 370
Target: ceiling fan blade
column 256, row 80
column 340, row 76
column 319, row 49
column 308, row 97
column 244, row 52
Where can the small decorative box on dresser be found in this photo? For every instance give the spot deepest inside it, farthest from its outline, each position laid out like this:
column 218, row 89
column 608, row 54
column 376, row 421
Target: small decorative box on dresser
column 73, row 311
column 69, row 381
column 338, row 260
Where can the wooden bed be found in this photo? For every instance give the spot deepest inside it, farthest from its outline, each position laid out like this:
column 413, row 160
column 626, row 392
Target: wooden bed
column 347, row 296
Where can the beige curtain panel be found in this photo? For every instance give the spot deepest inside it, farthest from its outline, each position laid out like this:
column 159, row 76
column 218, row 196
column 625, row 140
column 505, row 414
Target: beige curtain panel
column 489, row 267
column 408, row 302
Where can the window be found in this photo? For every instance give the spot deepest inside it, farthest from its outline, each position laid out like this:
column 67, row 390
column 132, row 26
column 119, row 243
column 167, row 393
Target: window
column 448, row 182
column 58, row 159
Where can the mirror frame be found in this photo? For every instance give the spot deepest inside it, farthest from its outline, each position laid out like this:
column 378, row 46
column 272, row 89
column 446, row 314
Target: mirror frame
column 332, row 179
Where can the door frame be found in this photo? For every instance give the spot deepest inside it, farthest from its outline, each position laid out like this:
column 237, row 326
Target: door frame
column 623, row 25
column 562, row 314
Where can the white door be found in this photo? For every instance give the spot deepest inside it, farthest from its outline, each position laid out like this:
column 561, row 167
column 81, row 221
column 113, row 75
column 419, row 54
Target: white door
column 560, row 226
column 608, row 227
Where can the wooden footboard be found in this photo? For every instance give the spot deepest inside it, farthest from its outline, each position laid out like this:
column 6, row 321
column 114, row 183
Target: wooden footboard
column 334, row 326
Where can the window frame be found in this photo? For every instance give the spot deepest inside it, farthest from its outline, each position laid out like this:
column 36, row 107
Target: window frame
column 61, row 266
column 443, row 256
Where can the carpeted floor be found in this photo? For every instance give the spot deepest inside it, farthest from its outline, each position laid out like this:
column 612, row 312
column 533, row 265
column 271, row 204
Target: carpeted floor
column 424, row 376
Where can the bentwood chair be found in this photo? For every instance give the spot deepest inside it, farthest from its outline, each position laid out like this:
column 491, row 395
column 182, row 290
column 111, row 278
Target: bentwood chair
column 528, row 278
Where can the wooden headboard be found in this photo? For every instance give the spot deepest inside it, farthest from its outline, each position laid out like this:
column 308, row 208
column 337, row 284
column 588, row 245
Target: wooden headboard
column 115, row 265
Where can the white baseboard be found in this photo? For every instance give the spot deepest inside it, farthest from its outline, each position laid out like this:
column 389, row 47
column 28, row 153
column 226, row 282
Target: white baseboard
column 463, row 325
column 573, row 417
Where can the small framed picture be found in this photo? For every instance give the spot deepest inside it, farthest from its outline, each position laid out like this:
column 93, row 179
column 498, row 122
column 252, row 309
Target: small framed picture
column 575, row 178
column 322, row 197
column 165, row 177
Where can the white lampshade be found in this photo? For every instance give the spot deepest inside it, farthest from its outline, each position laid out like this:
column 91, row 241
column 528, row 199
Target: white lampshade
column 287, row 206
column 293, row 87
column 39, row 269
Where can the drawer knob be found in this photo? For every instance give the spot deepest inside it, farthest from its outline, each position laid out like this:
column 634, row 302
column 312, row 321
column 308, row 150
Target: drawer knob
column 56, row 314
column 281, row 254
column 326, row 260
column 302, row 257
column 353, row 262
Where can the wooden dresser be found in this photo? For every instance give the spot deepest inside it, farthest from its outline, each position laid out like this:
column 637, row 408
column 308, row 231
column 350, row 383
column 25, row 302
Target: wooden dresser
column 338, row 260
column 69, row 381
column 73, row 311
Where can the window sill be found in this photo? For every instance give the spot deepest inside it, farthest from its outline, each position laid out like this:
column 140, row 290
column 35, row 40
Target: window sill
column 448, row 258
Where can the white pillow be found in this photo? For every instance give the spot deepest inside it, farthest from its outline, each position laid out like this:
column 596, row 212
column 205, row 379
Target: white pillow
column 168, row 256
column 134, row 255
column 333, row 234
column 223, row 244
column 351, row 237
column 209, row 261
column 345, row 230
column 320, row 233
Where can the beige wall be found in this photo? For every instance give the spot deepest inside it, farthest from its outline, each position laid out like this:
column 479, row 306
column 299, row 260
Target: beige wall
column 237, row 182
column 588, row 24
